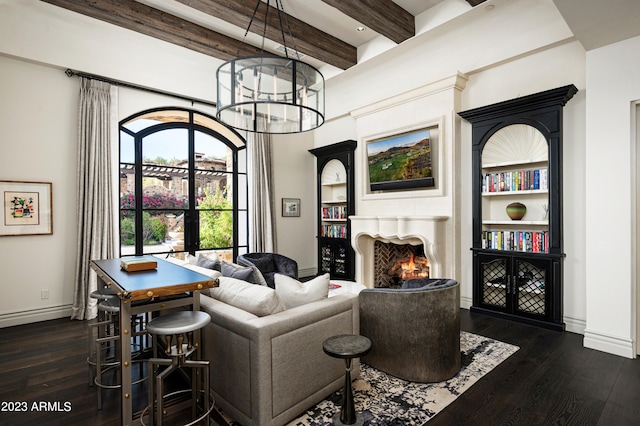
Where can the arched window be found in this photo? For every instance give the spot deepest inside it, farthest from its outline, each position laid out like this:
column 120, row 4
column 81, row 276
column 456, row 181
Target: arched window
column 183, row 185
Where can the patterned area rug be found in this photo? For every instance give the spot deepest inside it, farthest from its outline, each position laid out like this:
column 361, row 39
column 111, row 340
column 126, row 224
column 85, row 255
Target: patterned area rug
column 385, row 400
column 389, row 401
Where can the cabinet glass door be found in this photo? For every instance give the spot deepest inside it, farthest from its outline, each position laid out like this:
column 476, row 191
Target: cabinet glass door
column 494, row 278
column 531, row 280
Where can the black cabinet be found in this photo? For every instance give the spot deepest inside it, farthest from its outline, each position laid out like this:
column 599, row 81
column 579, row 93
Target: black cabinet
column 336, row 202
column 517, row 207
column 515, row 284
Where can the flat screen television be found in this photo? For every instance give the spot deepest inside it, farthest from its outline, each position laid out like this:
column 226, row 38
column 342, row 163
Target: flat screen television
column 402, row 161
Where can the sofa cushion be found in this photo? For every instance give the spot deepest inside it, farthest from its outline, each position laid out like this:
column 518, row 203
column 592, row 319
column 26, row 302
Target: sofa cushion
column 244, row 273
column 256, row 299
column 295, row 293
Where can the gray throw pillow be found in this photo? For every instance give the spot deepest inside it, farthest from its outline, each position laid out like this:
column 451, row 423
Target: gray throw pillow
column 209, row 262
column 244, row 273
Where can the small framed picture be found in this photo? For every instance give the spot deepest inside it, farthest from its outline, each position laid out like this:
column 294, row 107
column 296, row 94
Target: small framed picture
column 291, row 207
column 26, row 208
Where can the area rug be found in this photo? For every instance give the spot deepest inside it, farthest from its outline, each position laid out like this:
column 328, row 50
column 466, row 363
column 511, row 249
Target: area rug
column 385, row 400
column 389, row 401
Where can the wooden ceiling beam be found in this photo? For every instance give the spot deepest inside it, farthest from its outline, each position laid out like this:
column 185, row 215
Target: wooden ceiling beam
column 161, row 25
column 155, row 23
column 306, row 38
column 382, row 16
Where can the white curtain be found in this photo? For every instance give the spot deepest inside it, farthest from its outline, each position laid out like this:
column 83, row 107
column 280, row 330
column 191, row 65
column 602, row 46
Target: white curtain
column 94, row 190
column 261, row 199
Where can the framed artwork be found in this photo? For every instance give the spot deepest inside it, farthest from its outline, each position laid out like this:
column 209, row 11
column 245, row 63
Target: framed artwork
column 291, row 207
column 26, row 208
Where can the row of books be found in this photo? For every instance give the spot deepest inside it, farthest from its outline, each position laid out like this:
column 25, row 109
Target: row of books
column 335, row 212
column 524, row 180
column 529, row 241
column 333, row 231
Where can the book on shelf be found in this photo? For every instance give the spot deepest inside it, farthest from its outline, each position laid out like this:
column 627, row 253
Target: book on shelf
column 526, row 241
column 522, row 180
column 132, row 265
column 333, row 231
column 334, row 212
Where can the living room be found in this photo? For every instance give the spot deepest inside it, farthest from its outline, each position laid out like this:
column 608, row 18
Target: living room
column 481, row 57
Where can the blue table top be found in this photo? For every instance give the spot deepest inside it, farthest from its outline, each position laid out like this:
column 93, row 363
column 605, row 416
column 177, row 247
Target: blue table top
column 166, row 280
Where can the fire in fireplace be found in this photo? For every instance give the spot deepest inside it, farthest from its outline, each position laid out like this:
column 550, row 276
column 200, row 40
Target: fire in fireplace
column 413, row 267
column 395, row 263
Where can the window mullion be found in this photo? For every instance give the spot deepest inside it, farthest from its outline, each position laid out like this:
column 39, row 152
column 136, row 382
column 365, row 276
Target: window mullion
column 138, row 191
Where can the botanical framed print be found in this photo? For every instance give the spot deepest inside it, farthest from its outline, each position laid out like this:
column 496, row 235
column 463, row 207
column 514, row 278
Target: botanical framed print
column 291, row 207
column 26, row 208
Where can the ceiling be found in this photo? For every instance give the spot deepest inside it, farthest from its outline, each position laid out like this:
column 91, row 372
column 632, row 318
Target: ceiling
column 325, row 31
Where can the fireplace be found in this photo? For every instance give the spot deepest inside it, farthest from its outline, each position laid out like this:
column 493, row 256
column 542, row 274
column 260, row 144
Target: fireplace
column 381, row 242
column 394, row 263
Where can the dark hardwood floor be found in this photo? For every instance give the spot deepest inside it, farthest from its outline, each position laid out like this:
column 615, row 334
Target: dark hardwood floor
column 551, row 380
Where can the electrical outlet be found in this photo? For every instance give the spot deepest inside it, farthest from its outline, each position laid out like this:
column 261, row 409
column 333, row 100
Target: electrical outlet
column 44, row 293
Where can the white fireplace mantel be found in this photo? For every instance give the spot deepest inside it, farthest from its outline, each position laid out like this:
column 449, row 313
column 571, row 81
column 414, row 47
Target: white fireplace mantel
column 431, row 231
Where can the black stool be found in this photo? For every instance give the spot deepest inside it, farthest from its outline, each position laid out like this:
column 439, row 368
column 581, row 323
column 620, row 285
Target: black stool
column 347, row 346
column 178, row 324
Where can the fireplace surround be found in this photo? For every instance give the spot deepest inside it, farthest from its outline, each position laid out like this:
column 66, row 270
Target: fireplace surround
column 432, row 232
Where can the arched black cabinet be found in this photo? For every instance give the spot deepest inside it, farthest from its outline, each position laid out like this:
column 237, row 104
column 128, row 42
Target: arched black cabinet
column 517, row 161
column 336, row 202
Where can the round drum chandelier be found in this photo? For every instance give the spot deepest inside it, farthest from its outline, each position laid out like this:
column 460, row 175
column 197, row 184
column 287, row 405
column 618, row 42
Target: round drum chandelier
column 268, row 93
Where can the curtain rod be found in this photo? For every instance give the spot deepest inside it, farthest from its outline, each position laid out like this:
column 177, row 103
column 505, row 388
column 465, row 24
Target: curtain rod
column 71, row 73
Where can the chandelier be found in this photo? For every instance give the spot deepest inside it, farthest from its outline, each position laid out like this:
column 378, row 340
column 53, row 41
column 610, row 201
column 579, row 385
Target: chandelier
column 268, row 93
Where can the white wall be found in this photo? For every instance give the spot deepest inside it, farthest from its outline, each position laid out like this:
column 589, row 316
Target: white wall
column 527, row 58
column 294, row 178
column 613, row 81
column 38, row 122
column 38, row 129
column 554, row 67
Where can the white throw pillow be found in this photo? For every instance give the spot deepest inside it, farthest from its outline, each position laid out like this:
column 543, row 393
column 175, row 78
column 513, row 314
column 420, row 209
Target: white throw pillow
column 256, row 299
column 295, row 293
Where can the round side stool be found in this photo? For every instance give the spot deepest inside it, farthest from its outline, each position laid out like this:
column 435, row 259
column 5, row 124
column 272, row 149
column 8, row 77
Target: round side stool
column 347, row 347
column 179, row 324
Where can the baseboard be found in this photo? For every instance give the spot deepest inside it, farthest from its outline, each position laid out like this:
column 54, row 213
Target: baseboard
column 35, row 315
column 610, row 344
column 307, row 272
column 574, row 325
column 466, row 302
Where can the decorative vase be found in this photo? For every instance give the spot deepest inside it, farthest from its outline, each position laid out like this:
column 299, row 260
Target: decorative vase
column 516, row 211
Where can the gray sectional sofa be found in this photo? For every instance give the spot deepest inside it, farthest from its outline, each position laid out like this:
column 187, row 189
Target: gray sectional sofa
column 268, row 370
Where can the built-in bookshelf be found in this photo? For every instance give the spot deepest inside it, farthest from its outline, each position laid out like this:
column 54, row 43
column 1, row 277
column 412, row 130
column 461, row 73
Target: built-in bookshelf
column 517, row 207
column 335, row 203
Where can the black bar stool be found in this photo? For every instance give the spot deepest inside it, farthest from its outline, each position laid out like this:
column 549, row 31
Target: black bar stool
column 179, row 324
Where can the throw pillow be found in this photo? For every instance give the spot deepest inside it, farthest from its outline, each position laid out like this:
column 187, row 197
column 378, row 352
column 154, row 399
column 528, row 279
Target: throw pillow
column 295, row 293
column 210, row 261
column 256, row 299
column 233, row 270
